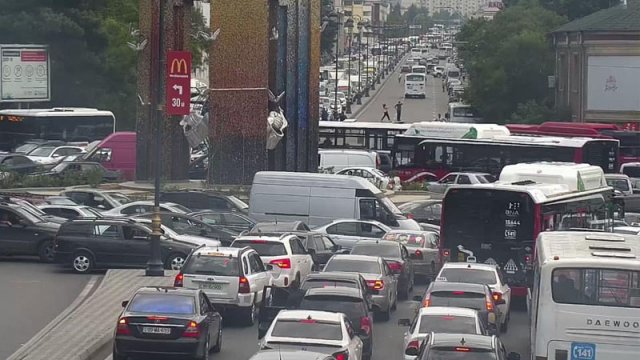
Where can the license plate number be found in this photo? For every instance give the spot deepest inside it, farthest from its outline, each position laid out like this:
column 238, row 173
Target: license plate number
column 156, row 330
column 211, row 286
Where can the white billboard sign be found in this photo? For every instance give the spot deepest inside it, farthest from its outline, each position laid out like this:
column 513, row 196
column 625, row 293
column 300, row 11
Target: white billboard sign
column 612, row 83
column 25, row 73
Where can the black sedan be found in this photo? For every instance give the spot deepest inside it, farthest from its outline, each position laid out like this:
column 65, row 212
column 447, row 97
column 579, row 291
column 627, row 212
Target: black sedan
column 397, row 258
column 17, row 163
column 167, row 321
column 70, row 167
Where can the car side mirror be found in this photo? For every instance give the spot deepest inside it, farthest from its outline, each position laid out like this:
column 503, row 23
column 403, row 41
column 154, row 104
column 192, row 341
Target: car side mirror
column 513, row 356
column 404, row 322
column 125, row 303
column 268, row 267
column 417, row 298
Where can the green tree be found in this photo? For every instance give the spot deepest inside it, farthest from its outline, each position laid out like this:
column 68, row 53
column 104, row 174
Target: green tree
column 572, row 9
column 508, row 60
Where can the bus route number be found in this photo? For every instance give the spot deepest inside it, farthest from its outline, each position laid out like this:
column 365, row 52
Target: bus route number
column 583, row 351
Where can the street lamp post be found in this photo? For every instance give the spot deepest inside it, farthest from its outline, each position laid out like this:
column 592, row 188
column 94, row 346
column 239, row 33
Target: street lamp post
column 380, row 74
column 359, row 98
column 349, row 25
column 335, row 18
column 373, row 83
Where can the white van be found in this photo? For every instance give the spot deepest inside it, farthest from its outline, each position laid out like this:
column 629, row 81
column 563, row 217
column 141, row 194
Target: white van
column 463, row 113
column 318, row 199
column 334, row 160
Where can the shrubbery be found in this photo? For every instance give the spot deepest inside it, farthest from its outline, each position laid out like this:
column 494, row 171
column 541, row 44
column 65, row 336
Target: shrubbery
column 12, row 180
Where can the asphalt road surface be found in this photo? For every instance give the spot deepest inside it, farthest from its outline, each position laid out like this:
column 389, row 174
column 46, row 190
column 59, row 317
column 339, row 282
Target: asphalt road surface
column 32, row 295
column 240, row 343
column 413, row 110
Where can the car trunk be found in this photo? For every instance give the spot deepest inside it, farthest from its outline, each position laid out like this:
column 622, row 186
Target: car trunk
column 217, row 275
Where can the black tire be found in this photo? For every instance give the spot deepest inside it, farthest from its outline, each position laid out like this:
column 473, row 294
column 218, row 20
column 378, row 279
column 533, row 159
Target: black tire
column 205, row 350
column 82, row 262
column 505, row 326
column 218, row 347
column 296, row 282
column 45, row 251
column 385, row 315
column 249, row 315
column 117, row 356
column 175, row 261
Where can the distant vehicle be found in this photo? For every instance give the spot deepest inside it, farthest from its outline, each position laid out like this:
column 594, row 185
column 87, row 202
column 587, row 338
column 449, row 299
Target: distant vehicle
column 70, row 211
column 47, row 155
column 587, row 281
column 59, row 200
column 459, row 178
column 423, row 251
column 463, row 346
column 117, row 152
column 236, row 221
column 423, row 211
column 200, row 200
column 100, row 199
column 438, row 71
column 405, row 69
column 185, row 324
column 375, row 176
column 32, row 144
column 290, row 354
column 334, row 160
column 65, row 168
column 415, row 84
column 17, row 163
column 359, row 135
column 142, row 207
column 348, row 232
column 622, row 184
column 183, row 224
column 463, row 113
column 17, row 126
column 419, row 69
column 232, row 278
column 24, row 233
column 379, row 277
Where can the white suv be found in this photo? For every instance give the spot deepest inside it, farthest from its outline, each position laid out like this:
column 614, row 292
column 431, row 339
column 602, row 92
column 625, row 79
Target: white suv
column 232, row 278
column 285, row 251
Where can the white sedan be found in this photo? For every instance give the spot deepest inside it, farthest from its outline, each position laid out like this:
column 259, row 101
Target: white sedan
column 487, row 274
column 347, row 232
column 375, row 176
column 315, row 331
column 47, row 155
column 143, row 207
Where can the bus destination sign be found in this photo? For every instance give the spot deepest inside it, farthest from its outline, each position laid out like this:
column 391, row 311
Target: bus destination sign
column 25, row 73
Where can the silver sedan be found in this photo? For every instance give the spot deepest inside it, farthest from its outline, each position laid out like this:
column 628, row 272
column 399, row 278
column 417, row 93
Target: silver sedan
column 423, row 250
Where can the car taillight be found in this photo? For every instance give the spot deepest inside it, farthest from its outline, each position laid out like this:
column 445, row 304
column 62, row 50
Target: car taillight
column 528, row 260
column 395, row 266
column 123, row 327
column 418, row 254
column 375, row 284
column 342, row 355
column 281, row 263
column 497, row 296
column 179, row 280
column 192, row 330
column 446, row 255
column 489, row 304
column 409, row 216
column 414, row 344
column 463, row 349
column 243, row 285
column 365, row 325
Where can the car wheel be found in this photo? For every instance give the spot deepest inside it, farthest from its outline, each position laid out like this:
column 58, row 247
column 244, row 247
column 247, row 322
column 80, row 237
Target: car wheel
column 205, row 350
column 82, row 262
column 250, row 314
column 505, row 326
column 386, row 315
column 116, row 356
column 175, row 261
column 296, row 282
column 45, row 251
column 218, row 346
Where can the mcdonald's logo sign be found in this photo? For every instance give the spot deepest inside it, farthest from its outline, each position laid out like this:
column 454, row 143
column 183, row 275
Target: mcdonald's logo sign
column 179, row 66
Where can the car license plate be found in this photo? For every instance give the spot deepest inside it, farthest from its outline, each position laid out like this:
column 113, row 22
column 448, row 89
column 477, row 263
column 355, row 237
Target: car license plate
column 211, row 286
column 156, row 330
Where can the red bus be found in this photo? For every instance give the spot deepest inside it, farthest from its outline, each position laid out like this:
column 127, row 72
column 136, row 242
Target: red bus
column 629, row 140
column 498, row 223
column 414, row 155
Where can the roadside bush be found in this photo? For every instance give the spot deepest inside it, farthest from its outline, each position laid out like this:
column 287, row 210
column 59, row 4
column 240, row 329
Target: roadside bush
column 10, row 180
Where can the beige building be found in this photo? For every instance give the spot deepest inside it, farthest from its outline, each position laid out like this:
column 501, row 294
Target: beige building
column 598, row 66
column 466, row 8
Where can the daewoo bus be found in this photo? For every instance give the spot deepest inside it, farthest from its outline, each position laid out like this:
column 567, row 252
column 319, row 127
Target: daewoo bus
column 498, row 223
column 629, row 140
column 491, row 152
column 66, row 124
column 585, row 299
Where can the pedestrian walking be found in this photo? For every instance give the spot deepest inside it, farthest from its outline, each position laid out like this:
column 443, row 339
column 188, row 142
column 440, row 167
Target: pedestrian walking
column 398, row 107
column 385, row 114
column 399, row 78
column 443, row 85
column 324, row 115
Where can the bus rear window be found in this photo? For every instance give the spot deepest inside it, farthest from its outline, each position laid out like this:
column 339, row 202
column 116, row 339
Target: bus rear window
column 597, row 287
column 415, row 77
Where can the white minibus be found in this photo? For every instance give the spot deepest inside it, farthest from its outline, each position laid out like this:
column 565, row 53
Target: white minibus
column 415, row 85
column 585, row 300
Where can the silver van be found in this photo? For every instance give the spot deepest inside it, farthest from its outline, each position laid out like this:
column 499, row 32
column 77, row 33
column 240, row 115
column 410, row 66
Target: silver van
column 318, row 199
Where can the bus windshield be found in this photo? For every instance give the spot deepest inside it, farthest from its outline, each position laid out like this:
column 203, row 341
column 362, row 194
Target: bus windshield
column 415, row 77
column 486, row 221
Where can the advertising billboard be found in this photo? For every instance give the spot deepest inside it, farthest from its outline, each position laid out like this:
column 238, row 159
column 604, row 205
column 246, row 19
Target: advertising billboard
column 612, row 83
column 25, row 73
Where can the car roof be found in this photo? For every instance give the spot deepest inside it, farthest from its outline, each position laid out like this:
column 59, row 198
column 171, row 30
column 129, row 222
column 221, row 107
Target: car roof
column 446, row 310
column 456, row 286
column 305, row 314
column 465, row 265
column 289, row 354
column 166, row 290
column 470, row 340
column 253, row 237
column 336, row 291
column 227, row 251
column 334, row 275
column 356, row 257
column 367, row 242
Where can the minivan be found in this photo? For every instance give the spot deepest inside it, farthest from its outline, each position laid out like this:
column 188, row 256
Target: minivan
column 318, row 199
column 117, row 152
column 335, row 160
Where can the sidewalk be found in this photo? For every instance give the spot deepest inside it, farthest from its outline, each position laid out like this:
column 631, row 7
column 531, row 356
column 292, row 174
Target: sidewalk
column 76, row 336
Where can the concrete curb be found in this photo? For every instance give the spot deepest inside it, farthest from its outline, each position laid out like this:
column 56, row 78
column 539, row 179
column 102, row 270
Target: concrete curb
column 96, row 317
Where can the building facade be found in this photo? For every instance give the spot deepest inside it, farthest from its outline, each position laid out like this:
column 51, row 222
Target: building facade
column 598, row 66
column 466, row 8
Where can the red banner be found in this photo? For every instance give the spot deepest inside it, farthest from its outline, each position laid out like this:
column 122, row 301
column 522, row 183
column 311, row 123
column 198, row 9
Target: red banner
column 178, row 82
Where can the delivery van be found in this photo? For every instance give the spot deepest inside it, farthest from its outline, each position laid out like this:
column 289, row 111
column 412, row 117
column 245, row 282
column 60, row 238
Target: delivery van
column 117, row 152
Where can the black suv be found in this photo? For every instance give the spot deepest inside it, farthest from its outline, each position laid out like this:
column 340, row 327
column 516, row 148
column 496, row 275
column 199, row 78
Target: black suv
column 103, row 243
column 25, row 233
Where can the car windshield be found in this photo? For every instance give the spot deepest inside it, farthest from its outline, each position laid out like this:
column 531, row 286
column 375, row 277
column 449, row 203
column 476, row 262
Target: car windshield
column 29, row 215
column 470, row 276
column 42, row 151
column 322, row 283
column 485, row 179
column 215, row 264
column 307, row 329
column 451, row 324
column 391, row 206
column 463, row 299
column 352, row 307
column 377, row 250
column 162, row 304
column 237, row 202
column 460, row 353
column 360, row 266
column 418, row 240
column 120, row 198
column 26, row 148
column 618, row 184
column 264, row 248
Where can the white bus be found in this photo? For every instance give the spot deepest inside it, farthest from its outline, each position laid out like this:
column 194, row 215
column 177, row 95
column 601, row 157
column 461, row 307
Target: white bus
column 463, row 113
column 415, row 85
column 585, row 299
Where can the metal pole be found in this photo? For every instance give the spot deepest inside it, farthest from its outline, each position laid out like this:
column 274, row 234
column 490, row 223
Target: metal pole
column 154, row 265
column 359, row 100
column 335, row 98
column 348, row 110
column 380, row 73
column 373, row 83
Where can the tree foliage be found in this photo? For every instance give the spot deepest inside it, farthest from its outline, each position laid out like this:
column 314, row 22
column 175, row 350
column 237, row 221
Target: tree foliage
column 572, row 9
column 508, row 60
